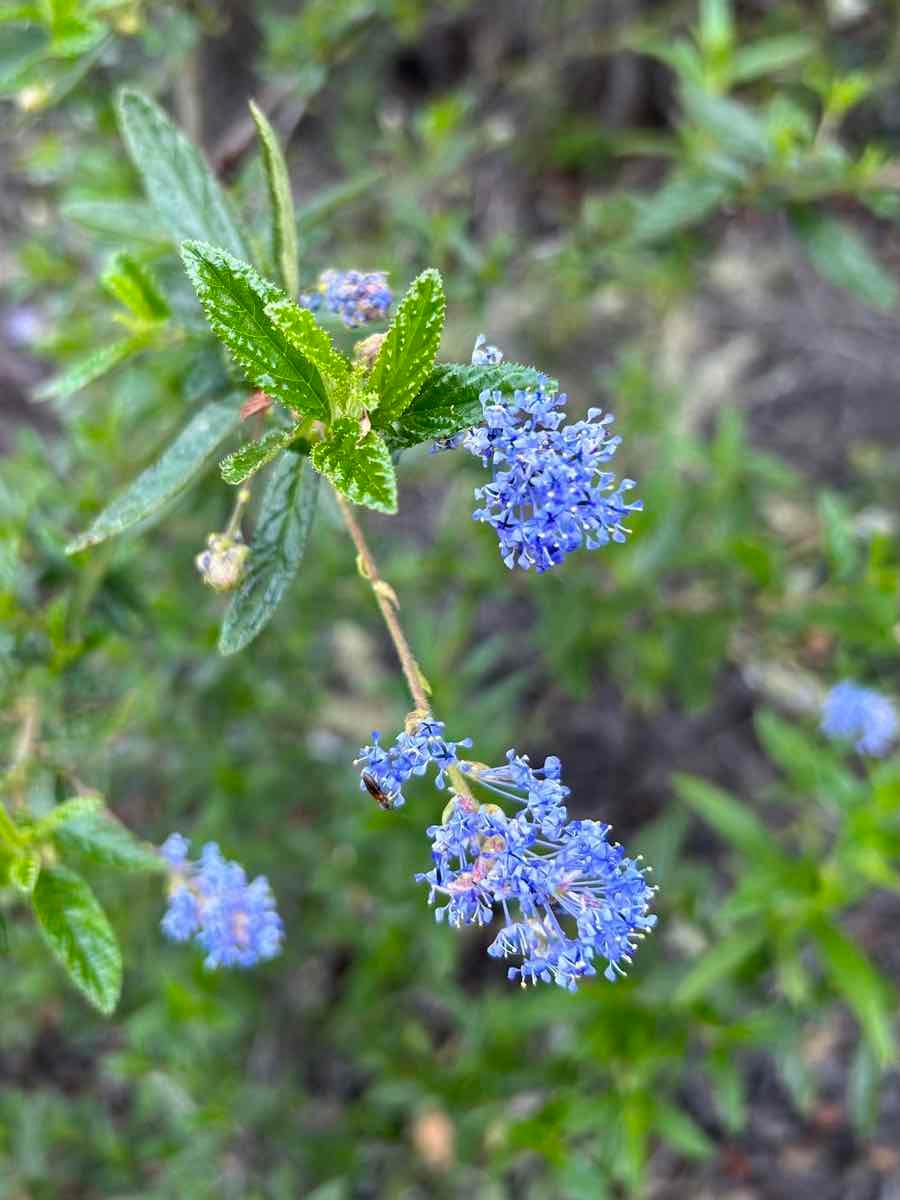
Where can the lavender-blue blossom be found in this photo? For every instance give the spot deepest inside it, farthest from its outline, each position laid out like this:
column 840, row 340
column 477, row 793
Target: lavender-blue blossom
column 548, row 495
column 355, row 296
column 568, row 898
column 419, row 746
column 861, row 715
column 234, row 921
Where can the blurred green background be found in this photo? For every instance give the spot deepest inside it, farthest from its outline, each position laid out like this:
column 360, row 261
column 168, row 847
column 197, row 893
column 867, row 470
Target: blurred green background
column 688, row 214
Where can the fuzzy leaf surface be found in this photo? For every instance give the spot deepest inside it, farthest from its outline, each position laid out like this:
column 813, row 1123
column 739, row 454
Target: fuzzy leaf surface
column 279, row 543
column 234, row 298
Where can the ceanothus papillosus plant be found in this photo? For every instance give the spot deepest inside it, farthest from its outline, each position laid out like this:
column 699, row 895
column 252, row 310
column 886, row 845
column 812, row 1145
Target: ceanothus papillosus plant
column 566, row 901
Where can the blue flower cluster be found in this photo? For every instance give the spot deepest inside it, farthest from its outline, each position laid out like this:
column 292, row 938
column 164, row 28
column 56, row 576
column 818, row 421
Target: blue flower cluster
column 568, row 896
column 858, row 714
column 548, row 495
column 234, row 921
column 357, row 298
column 421, row 745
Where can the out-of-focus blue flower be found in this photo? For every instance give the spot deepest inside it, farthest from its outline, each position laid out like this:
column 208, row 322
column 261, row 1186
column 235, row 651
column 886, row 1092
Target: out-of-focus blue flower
column 567, row 896
column 235, row 922
column 414, row 750
column 858, row 714
column 356, row 297
column 484, row 355
column 548, row 495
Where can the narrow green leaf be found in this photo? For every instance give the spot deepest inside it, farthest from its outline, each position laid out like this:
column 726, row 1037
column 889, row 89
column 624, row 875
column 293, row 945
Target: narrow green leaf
column 682, row 1132
column 360, row 467
column 682, row 202
column 132, row 284
column 69, row 810
column 24, row 872
column 727, row 815
column 101, row 838
column 716, row 33
column 449, row 400
column 841, row 256
column 284, row 222
column 733, row 126
column 250, row 457
column 178, row 182
column 285, row 518
column 408, row 351
column 234, row 298
column 180, row 463
column 864, row 989
column 305, row 334
column 75, row 928
column 804, row 760
column 723, row 959
column 770, row 55
column 92, row 366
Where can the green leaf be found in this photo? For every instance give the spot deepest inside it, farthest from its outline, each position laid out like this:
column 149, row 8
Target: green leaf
column 285, row 518
column 809, row 766
column 69, row 810
column 360, row 467
column 180, row 463
column 727, row 815
column 118, row 220
column 234, row 298
column 132, row 284
column 284, row 222
column 448, row 401
column 24, row 872
column 92, row 366
column 682, row 202
column 178, row 182
column 682, row 1132
column 864, row 989
column 305, row 334
column 101, row 838
column 841, row 256
column 723, row 959
column 716, row 32
column 75, row 928
column 733, row 126
column 408, row 351
column 250, row 457
column 770, row 55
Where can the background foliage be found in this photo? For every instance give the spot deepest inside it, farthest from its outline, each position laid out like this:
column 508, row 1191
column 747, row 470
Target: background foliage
column 687, row 214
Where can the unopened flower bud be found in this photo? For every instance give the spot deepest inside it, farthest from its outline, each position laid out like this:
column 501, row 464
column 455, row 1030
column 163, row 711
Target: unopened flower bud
column 221, row 564
column 33, row 98
column 366, row 351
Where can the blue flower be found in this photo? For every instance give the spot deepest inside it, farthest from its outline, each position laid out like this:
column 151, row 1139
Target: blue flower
column 483, row 355
column 567, row 896
column 422, row 744
column 858, row 714
column 548, row 495
column 357, row 298
column 235, row 922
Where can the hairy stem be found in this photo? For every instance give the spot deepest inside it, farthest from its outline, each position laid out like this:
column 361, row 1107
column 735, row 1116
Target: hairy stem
column 386, row 599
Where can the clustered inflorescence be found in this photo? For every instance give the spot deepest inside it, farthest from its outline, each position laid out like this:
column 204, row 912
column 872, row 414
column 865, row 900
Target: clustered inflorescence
column 567, row 895
column 356, row 297
column 211, row 901
column 548, row 494
column 861, row 715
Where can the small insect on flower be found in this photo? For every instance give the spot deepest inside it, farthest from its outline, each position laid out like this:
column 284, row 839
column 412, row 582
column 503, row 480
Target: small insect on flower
column 385, row 800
